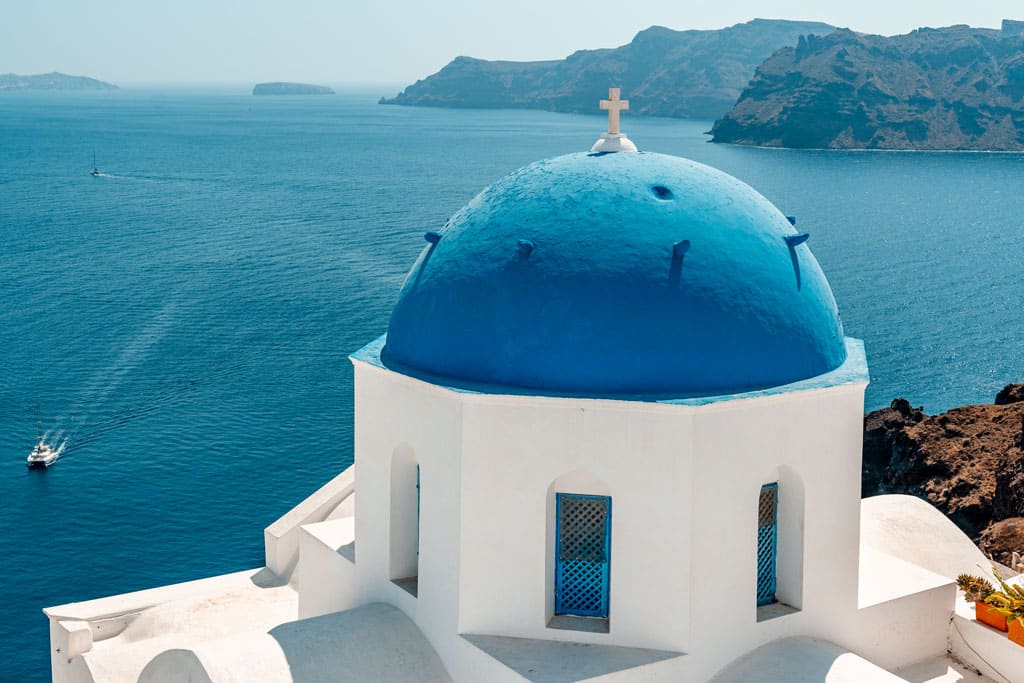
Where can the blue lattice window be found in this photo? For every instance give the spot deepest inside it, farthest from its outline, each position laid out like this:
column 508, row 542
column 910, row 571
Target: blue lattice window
column 583, row 554
column 767, row 542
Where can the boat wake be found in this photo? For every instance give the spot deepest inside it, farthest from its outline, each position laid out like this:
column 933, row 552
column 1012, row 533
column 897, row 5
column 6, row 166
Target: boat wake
column 127, row 389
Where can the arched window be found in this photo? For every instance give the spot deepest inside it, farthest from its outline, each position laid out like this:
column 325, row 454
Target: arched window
column 579, row 552
column 405, row 519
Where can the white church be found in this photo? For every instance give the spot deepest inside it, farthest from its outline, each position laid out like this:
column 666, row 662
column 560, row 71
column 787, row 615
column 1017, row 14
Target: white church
column 613, row 432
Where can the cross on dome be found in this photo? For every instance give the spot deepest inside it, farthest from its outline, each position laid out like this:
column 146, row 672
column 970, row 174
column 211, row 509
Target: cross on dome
column 614, row 140
column 614, row 105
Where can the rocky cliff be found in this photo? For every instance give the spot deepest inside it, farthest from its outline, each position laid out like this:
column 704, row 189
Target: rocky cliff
column 52, row 81
column 662, row 72
column 968, row 462
column 950, row 88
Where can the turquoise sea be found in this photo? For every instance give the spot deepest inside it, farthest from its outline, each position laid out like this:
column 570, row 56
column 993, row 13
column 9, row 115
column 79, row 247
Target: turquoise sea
column 184, row 321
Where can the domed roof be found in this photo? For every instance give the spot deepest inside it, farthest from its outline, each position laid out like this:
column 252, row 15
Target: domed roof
column 616, row 274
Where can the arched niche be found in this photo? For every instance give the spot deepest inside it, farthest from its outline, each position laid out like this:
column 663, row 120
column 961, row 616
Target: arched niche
column 790, row 559
column 579, row 482
column 404, row 518
column 788, row 519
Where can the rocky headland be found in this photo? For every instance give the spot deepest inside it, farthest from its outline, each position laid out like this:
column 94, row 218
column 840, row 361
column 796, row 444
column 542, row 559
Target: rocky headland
column 955, row 88
column 662, row 72
column 290, row 89
column 968, row 462
column 52, row 81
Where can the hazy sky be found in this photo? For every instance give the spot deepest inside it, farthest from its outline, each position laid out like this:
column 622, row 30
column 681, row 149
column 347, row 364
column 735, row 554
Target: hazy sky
column 380, row 41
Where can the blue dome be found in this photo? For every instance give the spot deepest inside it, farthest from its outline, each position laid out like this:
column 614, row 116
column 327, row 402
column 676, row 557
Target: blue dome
column 616, row 274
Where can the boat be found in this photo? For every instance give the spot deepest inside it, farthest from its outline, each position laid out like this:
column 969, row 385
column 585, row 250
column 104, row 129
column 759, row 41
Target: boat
column 95, row 172
column 43, row 455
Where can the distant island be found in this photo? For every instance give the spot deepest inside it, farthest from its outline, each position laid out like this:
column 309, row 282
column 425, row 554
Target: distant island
column 955, row 88
column 662, row 72
column 290, row 89
column 52, row 81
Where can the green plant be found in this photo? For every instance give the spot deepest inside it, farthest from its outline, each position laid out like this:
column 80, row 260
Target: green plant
column 975, row 588
column 1008, row 601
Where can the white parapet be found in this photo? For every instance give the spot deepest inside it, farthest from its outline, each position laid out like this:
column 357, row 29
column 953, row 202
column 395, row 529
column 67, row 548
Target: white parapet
column 112, row 639
column 71, row 637
column 327, row 580
column 281, row 539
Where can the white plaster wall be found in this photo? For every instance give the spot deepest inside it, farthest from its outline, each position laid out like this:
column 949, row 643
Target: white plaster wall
column 895, row 634
column 327, row 580
column 811, row 436
column 395, row 412
column 514, row 449
column 489, row 559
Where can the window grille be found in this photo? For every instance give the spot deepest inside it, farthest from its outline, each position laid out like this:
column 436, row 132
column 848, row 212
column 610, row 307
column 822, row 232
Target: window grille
column 767, row 542
column 583, row 552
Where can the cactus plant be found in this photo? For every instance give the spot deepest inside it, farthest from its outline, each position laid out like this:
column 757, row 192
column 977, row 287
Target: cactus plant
column 975, row 588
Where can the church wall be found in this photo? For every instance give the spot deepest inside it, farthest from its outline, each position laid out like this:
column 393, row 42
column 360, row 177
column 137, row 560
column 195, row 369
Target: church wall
column 517, row 453
column 810, row 440
column 394, row 412
column 684, row 483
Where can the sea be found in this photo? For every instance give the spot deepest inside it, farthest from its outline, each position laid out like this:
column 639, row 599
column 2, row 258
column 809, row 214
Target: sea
column 183, row 321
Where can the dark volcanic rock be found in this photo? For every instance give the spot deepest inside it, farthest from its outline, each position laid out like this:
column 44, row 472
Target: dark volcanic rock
column 881, row 428
column 1002, row 539
column 968, row 461
column 52, row 81
column 1011, row 393
column 662, row 72
column 950, row 88
column 290, row 89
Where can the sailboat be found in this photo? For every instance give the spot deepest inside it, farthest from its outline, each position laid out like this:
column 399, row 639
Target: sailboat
column 43, row 455
column 95, row 172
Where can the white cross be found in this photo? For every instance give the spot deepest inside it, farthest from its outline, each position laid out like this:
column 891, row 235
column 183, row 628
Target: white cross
column 614, row 105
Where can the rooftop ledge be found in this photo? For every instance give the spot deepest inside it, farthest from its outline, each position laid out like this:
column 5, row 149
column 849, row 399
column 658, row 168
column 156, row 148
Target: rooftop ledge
column 853, row 371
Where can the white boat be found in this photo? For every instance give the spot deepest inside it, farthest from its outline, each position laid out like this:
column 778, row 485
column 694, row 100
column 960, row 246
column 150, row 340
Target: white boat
column 43, row 455
column 95, row 171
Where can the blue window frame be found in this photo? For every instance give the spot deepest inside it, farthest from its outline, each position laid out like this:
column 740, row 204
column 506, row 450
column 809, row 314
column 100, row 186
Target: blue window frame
column 582, row 554
column 417, row 501
column 767, row 542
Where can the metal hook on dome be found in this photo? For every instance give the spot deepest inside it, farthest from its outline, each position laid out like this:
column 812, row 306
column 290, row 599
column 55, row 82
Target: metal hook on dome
column 525, row 247
column 432, row 236
column 675, row 272
column 796, row 240
column 792, row 220
column 792, row 242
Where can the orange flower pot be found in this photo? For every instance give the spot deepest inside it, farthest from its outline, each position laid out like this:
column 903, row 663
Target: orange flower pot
column 1017, row 631
column 986, row 614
